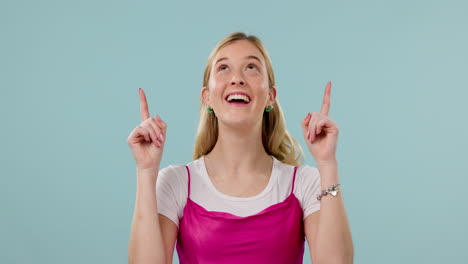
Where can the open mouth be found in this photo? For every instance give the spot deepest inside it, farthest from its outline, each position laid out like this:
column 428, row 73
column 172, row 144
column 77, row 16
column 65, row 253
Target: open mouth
column 238, row 99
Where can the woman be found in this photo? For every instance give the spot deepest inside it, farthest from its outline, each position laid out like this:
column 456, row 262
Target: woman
column 245, row 198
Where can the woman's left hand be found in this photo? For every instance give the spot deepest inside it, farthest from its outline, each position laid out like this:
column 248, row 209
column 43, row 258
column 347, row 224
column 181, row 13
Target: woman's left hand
column 320, row 132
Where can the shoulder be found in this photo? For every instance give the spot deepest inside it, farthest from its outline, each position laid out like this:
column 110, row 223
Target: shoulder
column 171, row 191
column 173, row 170
column 177, row 175
column 308, row 179
column 304, row 172
column 307, row 176
column 307, row 173
column 172, row 175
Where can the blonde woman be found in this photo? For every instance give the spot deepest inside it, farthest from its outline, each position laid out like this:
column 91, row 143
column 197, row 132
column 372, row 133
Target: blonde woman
column 246, row 197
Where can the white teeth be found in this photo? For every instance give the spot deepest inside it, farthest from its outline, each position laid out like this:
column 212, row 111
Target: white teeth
column 238, row 96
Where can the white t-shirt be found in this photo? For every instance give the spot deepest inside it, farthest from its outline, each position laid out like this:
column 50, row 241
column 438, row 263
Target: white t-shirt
column 172, row 190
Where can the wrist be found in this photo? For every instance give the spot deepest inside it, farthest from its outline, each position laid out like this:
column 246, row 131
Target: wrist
column 328, row 173
column 147, row 172
column 327, row 163
column 332, row 189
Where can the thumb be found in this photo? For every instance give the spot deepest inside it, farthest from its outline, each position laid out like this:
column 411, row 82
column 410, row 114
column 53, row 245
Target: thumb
column 305, row 124
column 306, row 120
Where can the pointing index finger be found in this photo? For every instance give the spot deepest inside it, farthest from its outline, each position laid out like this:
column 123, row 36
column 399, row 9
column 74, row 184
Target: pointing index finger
column 326, row 100
column 143, row 105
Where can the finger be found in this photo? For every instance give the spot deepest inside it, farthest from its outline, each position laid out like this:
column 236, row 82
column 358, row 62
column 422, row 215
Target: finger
column 320, row 125
column 305, row 124
column 161, row 124
column 157, row 129
column 144, row 132
column 143, row 106
column 152, row 134
column 311, row 128
column 326, row 100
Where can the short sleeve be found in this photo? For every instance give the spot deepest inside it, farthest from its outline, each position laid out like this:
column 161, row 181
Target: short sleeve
column 310, row 186
column 167, row 194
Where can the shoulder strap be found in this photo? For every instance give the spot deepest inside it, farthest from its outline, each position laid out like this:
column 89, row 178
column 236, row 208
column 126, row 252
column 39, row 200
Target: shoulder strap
column 294, row 179
column 188, row 173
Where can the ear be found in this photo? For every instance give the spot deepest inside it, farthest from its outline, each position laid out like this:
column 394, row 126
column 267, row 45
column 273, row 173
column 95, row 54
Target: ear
column 272, row 95
column 205, row 94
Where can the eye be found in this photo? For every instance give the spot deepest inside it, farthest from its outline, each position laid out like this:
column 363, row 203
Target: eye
column 252, row 66
column 222, row 67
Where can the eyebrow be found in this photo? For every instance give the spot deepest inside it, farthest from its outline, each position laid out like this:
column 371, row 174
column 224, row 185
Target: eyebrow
column 247, row 57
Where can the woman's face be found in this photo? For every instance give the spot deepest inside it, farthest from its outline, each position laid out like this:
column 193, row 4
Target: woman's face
column 239, row 68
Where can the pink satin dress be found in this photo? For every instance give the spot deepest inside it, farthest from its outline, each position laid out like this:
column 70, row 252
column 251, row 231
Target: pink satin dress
column 275, row 235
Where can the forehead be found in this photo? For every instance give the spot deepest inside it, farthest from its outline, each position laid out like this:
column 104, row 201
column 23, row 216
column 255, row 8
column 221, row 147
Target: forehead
column 239, row 49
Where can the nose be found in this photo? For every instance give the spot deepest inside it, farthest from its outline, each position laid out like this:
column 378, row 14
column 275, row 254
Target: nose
column 240, row 82
column 237, row 80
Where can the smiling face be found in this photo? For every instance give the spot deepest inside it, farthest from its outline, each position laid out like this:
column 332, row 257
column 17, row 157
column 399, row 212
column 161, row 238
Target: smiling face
column 238, row 88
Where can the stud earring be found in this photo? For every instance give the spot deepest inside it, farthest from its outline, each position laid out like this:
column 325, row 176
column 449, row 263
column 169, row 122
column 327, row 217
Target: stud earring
column 210, row 110
column 268, row 109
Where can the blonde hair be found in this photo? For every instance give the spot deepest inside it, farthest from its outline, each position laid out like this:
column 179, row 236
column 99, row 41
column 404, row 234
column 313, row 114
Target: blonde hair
column 275, row 137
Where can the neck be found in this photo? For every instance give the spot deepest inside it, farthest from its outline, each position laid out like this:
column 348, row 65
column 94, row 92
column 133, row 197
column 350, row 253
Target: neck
column 240, row 152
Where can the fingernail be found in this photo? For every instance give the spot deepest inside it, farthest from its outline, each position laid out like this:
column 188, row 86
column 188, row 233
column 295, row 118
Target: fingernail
column 308, row 134
column 161, row 137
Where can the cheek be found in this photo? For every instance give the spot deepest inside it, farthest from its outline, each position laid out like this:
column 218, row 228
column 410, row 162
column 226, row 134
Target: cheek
column 218, row 79
column 256, row 77
column 258, row 81
column 215, row 87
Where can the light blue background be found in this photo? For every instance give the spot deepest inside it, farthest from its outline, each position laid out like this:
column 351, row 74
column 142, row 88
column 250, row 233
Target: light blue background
column 70, row 71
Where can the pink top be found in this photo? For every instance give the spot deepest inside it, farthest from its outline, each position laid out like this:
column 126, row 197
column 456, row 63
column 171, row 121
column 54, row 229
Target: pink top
column 274, row 235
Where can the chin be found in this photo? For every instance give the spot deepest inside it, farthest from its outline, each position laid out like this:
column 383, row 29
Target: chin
column 239, row 122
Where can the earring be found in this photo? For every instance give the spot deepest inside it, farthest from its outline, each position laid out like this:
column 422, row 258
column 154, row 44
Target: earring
column 268, row 109
column 210, row 110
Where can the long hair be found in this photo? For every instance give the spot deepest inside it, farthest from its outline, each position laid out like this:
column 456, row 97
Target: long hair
column 275, row 137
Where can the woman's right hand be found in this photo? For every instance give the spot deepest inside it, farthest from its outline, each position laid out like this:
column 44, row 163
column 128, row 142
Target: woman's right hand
column 147, row 140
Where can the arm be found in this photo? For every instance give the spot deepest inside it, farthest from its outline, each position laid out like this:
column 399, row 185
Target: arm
column 333, row 243
column 328, row 229
column 152, row 235
column 169, row 232
column 310, row 228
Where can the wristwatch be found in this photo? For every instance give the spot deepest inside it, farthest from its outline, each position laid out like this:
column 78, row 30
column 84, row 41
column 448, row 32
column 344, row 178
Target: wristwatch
column 333, row 190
